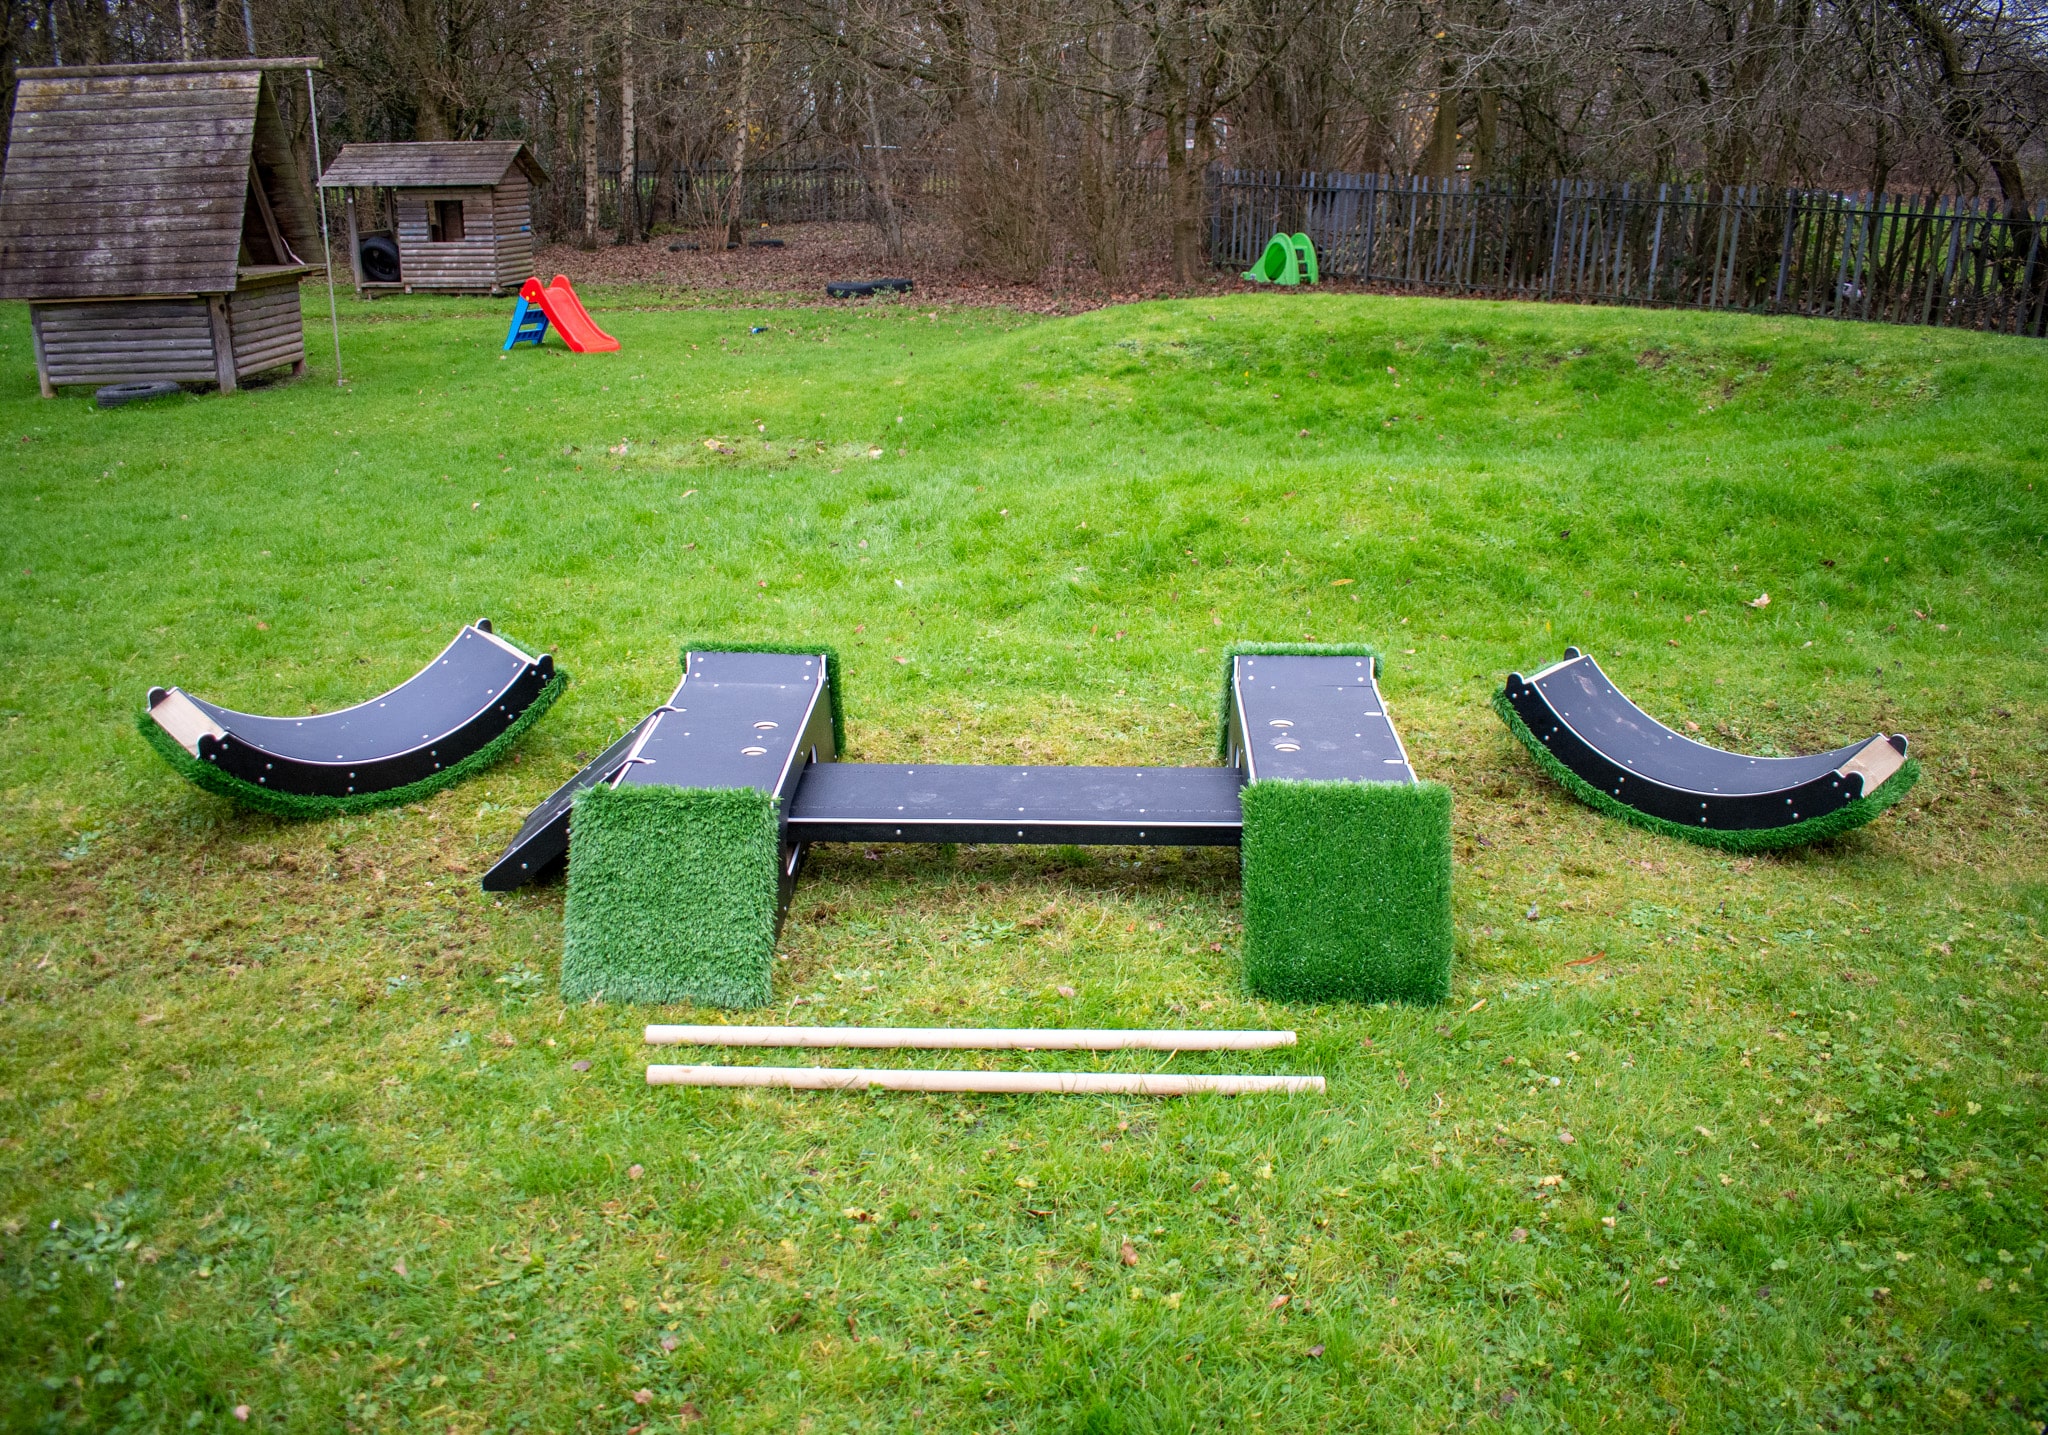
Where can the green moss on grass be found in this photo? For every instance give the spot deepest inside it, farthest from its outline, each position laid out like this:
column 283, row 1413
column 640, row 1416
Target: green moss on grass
column 672, row 896
column 1755, row 839
column 832, row 670
column 1347, row 891
column 1277, row 650
column 302, row 807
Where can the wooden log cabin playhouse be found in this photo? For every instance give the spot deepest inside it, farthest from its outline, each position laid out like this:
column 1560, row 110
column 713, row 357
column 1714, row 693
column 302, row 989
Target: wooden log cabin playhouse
column 154, row 218
column 461, row 215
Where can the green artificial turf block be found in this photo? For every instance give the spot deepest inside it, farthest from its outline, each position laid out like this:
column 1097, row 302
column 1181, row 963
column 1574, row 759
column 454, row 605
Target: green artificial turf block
column 1753, row 839
column 1347, row 890
column 803, row 650
column 672, row 895
column 304, row 806
column 1277, row 650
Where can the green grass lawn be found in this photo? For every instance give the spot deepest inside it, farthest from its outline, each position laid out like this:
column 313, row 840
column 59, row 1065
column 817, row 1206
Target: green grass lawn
column 292, row 1118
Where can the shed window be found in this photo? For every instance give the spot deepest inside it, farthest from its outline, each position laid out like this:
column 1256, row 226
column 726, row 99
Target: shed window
column 445, row 224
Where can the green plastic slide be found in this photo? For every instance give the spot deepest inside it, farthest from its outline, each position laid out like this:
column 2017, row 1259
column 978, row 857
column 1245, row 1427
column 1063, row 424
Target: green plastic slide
column 1289, row 259
column 1278, row 265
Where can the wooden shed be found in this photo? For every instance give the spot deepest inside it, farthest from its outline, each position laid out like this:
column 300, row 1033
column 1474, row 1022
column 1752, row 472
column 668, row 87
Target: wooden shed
column 155, row 220
column 461, row 215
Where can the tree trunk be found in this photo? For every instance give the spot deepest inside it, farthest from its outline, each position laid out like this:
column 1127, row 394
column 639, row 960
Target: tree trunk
column 736, row 195
column 881, row 187
column 1486, row 133
column 590, row 189
column 1440, row 161
column 629, row 148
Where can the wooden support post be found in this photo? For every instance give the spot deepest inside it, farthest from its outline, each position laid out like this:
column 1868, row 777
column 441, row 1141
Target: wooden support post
column 35, row 328
column 223, row 341
column 355, row 244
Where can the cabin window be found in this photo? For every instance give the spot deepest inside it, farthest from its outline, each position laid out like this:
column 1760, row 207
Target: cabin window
column 444, row 223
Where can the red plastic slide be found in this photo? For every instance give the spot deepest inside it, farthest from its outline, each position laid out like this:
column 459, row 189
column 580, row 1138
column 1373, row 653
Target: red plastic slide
column 565, row 311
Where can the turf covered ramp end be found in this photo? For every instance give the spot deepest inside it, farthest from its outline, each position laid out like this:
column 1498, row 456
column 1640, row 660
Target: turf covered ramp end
column 1347, row 890
column 673, row 896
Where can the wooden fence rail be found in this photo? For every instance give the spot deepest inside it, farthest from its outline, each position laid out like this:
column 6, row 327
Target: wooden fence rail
column 1904, row 259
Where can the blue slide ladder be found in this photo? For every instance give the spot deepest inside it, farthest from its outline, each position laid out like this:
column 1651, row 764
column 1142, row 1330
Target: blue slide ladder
column 529, row 322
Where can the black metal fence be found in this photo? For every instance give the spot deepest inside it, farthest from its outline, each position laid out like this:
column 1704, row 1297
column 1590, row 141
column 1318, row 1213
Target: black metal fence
column 1907, row 259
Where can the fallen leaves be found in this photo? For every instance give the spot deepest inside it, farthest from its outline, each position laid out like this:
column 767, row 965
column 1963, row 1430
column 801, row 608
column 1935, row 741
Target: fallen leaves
column 1761, row 600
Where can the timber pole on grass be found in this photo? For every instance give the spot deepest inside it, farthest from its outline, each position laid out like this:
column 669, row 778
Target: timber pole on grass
column 968, row 1038
column 995, row 1083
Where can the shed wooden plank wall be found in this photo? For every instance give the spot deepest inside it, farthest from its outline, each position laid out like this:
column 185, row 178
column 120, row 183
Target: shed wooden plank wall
column 131, row 342
column 468, row 263
column 512, row 217
column 267, row 327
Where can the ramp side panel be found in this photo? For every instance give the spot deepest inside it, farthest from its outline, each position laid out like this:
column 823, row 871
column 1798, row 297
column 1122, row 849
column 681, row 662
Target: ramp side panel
column 543, row 838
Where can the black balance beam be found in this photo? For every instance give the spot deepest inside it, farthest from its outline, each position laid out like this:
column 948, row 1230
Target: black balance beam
column 761, row 720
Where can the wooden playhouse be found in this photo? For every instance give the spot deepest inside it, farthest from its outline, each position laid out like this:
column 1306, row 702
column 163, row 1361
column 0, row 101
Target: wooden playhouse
column 458, row 215
column 155, row 220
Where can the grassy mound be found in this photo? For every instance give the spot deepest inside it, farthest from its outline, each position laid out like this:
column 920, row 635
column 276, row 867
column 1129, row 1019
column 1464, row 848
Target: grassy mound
column 672, row 896
column 1756, row 839
column 302, row 806
column 1347, row 890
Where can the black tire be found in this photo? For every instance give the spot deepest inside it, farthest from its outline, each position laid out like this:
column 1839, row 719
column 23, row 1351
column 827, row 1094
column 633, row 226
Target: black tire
column 862, row 288
column 112, row 396
column 764, row 244
column 379, row 257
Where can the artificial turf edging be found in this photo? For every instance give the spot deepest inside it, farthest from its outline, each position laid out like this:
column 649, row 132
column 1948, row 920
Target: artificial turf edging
column 299, row 806
column 672, row 896
column 1756, row 839
column 1347, row 891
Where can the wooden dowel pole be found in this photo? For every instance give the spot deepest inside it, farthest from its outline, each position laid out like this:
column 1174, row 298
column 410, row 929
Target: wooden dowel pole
column 940, row 1038
column 1066, row 1083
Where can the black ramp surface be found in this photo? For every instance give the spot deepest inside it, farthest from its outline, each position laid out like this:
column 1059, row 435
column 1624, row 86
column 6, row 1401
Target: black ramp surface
column 875, row 802
column 735, row 720
column 1312, row 719
column 1585, row 722
column 477, row 688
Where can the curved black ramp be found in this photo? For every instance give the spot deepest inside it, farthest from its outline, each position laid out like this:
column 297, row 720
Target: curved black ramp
column 1615, row 757
column 453, row 717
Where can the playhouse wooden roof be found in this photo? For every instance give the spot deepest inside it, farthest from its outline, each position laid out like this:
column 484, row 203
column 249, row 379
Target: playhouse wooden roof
column 130, row 180
column 431, row 164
